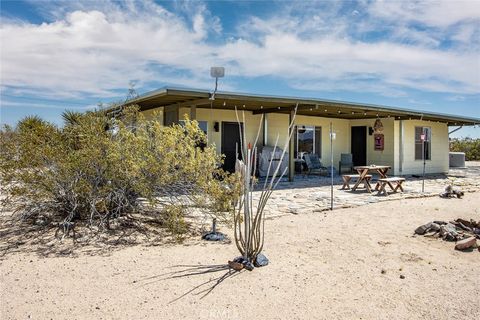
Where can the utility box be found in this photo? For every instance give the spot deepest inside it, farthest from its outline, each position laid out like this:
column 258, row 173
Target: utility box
column 457, row 160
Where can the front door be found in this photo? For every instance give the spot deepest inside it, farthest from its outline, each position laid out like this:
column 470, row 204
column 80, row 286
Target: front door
column 231, row 144
column 359, row 146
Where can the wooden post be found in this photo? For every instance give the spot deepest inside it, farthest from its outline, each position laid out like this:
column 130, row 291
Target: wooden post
column 265, row 129
column 193, row 112
column 291, row 145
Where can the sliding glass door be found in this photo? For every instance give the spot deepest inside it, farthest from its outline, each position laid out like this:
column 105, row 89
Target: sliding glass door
column 307, row 139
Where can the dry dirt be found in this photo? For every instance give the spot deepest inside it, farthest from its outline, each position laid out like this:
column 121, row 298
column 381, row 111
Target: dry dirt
column 345, row 264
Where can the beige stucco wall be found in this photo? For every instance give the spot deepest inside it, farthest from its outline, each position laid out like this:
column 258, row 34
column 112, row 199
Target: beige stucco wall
column 277, row 124
column 439, row 149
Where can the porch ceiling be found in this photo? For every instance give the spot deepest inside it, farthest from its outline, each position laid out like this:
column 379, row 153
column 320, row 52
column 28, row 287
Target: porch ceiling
column 275, row 104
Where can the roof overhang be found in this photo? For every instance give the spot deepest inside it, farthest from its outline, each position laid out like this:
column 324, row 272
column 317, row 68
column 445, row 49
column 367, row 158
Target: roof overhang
column 259, row 104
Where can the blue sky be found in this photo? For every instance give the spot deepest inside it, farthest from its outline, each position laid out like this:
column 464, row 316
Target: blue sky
column 422, row 55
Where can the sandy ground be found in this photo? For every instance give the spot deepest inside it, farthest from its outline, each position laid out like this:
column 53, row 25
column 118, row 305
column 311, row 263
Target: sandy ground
column 322, row 266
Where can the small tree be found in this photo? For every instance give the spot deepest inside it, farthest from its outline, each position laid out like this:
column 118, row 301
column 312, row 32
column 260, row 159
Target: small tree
column 98, row 168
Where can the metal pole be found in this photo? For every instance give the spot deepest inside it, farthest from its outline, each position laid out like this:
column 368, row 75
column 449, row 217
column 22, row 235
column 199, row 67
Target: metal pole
column 424, row 160
column 331, row 166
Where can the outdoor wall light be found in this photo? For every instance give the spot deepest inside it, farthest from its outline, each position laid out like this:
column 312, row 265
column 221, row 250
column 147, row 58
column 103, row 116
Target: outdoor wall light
column 216, row 126
column 370, row 131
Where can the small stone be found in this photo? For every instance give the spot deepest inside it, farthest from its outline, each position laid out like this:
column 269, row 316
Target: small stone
column 235, row 265
column 383, row 271
column 261, row 260
column 465, row 243
column 423, row 229
column 402, row 276
column 249, row 266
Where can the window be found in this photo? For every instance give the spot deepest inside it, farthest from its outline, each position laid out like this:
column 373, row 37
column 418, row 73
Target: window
column 423, row 143
column 203, row 125
column 307, row 139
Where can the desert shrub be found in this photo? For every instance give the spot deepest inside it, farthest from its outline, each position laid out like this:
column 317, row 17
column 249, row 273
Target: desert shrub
column 470, row 146
column 96, row 168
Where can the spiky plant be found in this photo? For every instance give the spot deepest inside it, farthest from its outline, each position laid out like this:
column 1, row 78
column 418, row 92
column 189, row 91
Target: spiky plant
column 249, row 219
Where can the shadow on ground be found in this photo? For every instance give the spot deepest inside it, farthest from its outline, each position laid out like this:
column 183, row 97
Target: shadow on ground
column 222, row 272
column 18, row 236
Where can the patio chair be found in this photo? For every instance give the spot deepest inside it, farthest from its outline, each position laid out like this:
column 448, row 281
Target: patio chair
column 314, row 165
column 345, row 161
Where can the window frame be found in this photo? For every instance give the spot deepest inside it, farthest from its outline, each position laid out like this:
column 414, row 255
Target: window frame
column 428, row 145
column 314, row 129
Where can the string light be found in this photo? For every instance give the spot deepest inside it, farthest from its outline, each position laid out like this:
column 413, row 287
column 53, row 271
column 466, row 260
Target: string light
column 261, row 107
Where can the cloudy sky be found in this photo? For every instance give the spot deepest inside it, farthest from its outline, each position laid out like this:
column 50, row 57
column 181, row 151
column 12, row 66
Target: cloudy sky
column 422, row 55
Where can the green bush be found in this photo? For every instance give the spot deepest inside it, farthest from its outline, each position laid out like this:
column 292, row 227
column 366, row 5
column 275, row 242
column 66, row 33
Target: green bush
column 95, row 169
column 470, row 146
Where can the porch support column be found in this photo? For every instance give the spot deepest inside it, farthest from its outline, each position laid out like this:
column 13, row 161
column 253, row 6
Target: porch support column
column 193, row 112
column 291, row 162
column 265, row 129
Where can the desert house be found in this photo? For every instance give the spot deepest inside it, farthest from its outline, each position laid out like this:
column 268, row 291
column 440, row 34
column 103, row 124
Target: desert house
column 373, row 134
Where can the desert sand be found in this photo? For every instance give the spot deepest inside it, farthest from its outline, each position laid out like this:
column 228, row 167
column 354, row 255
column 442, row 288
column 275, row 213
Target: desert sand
column 341, row 264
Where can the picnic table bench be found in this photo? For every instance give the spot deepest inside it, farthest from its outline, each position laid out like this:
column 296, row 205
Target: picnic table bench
column 363, row 172
column 347, row 177
column 395, row 183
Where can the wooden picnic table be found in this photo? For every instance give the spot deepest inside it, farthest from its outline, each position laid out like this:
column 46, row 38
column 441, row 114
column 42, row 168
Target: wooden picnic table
column 363, row 172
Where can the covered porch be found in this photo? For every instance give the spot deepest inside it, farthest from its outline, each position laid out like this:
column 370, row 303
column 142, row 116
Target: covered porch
column 353, row 127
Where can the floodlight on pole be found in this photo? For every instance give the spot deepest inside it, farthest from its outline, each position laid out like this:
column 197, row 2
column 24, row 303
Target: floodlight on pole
column 216, row 72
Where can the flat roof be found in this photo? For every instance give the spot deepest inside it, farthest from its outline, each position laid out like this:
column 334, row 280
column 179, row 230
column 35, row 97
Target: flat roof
column 182, row 97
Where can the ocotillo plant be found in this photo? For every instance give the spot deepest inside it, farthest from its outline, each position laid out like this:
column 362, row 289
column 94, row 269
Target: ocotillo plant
column 249, row 220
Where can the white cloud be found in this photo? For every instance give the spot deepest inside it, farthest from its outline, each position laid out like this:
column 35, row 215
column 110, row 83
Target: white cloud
column 96, row 48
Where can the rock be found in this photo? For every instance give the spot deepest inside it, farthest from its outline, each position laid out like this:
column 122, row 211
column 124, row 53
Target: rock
column 465, row 243
column 431, row 226
column 422, row 229
column 245, row 263
column 261, row 260
column 249, row 266
column 214, row 236
column 402, row 276
column 470, row 224
column 235, row 265
column 434, row 227
column 449, row 232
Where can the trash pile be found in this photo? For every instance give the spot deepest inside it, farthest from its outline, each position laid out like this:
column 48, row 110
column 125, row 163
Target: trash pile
column 451, row 193
column 464, row 232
